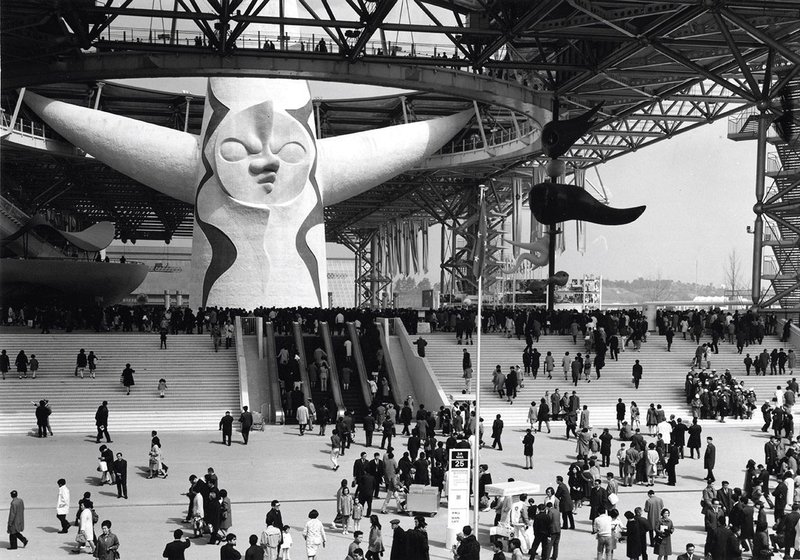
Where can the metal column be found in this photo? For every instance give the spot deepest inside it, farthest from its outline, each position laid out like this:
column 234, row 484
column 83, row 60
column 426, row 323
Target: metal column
column 758, row 227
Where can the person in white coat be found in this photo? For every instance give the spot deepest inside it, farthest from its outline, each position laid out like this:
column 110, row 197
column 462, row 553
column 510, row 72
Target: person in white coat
column 198, row 513
column 302, row 418
column 62, row 505
column 86, row 526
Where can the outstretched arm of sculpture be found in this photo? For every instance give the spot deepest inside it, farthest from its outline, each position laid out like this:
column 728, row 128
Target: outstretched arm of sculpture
column 162, row 158
column 355, row 163
column 554, row 202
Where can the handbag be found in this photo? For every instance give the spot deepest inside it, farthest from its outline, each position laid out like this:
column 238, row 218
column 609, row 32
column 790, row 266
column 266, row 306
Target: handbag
column 613, row 499
column 80, row 538
column 103, row 467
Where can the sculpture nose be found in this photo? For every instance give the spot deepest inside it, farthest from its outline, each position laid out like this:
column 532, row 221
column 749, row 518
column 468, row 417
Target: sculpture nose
column 265, row 162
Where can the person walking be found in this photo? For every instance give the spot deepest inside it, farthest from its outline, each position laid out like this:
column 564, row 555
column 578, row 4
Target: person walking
column 637, row 371
column 62, row 505
column 314, row 534
column 107, row 543
column 22, row 364
column 80, row 363
column 226, row 425
column 121, row 476
column 497, row 432
column 375, row 541
column 303, row 416
column 86, row 527
column 127, row 378
column 246, row 419
column 527, row 448
column 91, row 360
column 34, row 365
column 101, row 421
column 5, row 363
column 710, row 459
column 466, row 366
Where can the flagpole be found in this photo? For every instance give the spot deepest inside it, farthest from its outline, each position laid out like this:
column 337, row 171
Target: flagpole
column 476, row 453
column 476, row 461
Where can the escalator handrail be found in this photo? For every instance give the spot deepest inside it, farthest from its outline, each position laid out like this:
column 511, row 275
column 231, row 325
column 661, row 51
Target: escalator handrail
column 361, row 368
column 272, row 375
column 390, row 373
column 301, row 351
column 333, row 382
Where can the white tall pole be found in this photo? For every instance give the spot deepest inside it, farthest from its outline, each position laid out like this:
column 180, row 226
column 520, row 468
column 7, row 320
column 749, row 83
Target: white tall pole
column 476, row 453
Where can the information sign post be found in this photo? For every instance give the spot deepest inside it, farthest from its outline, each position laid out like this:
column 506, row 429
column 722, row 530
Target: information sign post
column 457, row 493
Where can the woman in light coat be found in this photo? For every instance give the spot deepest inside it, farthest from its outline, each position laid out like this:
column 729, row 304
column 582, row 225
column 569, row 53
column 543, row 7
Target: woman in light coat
column 314, row 534
column 155, row 461
column 86, row 525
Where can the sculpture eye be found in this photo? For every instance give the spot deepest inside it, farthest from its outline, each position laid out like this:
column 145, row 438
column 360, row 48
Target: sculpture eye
column 233, row 150
column 291, row 152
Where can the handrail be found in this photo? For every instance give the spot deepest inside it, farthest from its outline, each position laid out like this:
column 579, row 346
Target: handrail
column 301, row 351
column 361, row 367
column 271, row 358
column 387, row 359
column 241, row 362
column 493, row 140
column 333, row 382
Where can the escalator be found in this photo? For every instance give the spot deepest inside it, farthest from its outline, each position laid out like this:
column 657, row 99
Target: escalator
column 352, row 398
column 306, row 345
column 360, row 369
column 275, row 412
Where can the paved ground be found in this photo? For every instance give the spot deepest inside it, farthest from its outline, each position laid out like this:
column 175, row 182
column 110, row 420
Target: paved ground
column 280, row 464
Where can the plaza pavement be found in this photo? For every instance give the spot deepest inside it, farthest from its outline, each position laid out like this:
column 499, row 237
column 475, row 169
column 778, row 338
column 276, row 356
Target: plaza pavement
column 279, row 464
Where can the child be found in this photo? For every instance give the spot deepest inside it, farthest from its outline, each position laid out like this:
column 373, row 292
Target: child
column 358, row 512
column 497, row 547
column 34, row 365
column 286, row 544
column 162, row 387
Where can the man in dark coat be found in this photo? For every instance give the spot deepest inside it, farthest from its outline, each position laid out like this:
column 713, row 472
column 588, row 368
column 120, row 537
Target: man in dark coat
column 637, row 371
column 369, row 428
column 781, row 499
column 274, row 516
column 398, row 541
column 417, row 540
column 497, row 432
column 226, row 425
column 228, row 550
column 42, row 412
column 542, row 527
column 565, row 505
column 101, row 421
column 120, row 468
column 376, row 469
column 597, row 499
column 16, row 521
column 246, row 419
column 678, row 435
column 710, row 459
column 365, row 492
column 724, row 544
column 789, row 523
column 175, row 549
column 468, row 548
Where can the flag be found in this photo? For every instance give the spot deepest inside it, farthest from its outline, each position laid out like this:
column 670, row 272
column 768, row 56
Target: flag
column 481, row 239
column 425, row 247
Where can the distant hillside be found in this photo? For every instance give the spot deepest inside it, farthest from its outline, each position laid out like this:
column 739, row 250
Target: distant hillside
column 642, row 289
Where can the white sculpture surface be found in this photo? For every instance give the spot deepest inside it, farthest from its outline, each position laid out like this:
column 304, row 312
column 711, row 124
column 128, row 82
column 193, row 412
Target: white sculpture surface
column 258, row 179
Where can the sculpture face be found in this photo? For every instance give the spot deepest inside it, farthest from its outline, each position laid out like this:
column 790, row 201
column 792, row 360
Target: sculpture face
column 263, row 156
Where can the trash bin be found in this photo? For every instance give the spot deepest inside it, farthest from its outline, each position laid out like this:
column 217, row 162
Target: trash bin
column 423, row 499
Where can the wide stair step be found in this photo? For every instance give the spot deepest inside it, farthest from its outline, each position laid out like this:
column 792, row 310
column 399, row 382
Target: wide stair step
column 662, row 383
column 202, row 384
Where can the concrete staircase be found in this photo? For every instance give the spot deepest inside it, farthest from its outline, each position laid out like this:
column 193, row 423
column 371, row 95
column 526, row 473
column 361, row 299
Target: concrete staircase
column 664, row 374
column 202, row 384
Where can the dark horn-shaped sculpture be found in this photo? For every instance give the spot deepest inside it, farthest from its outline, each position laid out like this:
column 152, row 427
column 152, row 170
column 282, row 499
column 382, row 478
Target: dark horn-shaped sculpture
column 554, row 202
column 559, row 136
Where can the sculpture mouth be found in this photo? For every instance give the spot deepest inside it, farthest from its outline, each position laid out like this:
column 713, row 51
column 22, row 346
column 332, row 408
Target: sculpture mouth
column 267, row 180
